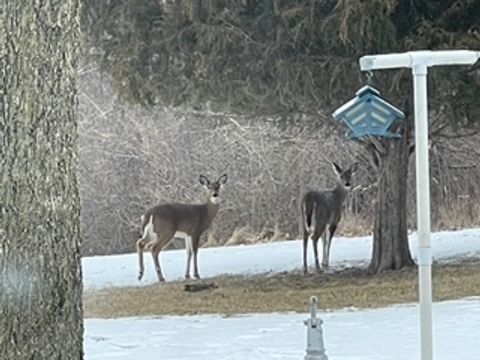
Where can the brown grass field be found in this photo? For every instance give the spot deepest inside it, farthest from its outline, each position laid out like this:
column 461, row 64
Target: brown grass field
column 282, row 292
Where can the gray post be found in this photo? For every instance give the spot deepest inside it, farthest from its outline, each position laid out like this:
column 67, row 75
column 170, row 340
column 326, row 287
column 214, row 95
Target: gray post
column 315, row 347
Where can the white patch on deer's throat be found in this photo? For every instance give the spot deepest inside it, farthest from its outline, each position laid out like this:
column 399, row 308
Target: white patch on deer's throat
column 215, row 200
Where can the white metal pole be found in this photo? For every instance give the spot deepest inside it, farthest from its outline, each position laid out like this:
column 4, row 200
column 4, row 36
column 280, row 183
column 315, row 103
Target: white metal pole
column 419, row 61
column 423, row 210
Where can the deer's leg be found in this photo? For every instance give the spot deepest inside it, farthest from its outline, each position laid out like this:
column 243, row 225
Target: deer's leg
column 315, row 237
column 328, row 239
column 195, row 245
column 140, row 246
column 306, row 234
column 155, row 251
column 325, row 249
column 188, row 247
column 320, row 230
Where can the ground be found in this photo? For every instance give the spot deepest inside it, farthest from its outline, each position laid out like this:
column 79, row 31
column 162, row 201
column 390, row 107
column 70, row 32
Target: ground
column 285, row 291
column 130, row 319
column 390, row 333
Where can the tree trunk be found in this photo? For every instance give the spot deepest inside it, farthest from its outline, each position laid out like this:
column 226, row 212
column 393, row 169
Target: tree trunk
column 390, row 239
column 40, row 273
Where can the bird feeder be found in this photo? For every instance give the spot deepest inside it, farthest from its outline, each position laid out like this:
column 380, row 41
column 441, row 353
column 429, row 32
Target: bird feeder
column 368, row 114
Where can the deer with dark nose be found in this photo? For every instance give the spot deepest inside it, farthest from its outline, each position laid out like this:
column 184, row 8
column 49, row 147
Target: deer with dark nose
column 320, row 213
column 160, row 224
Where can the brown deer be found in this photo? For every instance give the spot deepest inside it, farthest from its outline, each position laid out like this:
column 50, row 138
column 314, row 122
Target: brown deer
column 322, row 209
column 162, row 223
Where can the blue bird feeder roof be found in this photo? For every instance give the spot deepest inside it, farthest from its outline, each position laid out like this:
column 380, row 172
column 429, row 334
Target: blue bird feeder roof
column 368, row 114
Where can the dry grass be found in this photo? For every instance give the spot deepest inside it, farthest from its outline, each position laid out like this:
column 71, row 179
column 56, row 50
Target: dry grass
column 456, row 215
column 353, row 225
column 245, row 235
column 284, row 292
column 241, row 235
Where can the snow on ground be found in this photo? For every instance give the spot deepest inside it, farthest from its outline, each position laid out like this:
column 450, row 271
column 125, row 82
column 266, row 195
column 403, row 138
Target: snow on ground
column 121, row 270
column 390, row 333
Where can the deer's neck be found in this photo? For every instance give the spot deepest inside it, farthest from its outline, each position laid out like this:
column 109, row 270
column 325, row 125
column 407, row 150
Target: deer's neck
column 212, row 205
column 340, row 192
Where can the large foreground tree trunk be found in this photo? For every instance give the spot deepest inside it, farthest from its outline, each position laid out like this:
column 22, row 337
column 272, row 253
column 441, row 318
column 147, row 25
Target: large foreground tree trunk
column 390, row 239
column 40, row 274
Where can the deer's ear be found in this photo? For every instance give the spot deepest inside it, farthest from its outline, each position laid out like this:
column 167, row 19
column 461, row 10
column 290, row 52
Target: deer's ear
column 336, row 168
column 222, row 179
column 203, row 180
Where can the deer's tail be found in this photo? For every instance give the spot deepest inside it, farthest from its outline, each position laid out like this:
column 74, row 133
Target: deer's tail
column 308, row 212
column 145, row 227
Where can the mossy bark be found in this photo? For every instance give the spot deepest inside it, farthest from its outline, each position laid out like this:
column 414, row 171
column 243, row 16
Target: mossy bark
column 40, row 271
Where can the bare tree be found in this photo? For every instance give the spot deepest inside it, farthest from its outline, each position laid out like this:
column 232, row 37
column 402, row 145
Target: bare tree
column 40, row 274
column 133, row 158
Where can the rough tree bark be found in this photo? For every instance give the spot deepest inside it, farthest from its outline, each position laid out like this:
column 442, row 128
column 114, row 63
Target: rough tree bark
column 390, row 239
column 40, row 273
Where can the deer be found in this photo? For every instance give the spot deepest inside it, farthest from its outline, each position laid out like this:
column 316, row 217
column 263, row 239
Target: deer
column 160, row 224
column 321, row 211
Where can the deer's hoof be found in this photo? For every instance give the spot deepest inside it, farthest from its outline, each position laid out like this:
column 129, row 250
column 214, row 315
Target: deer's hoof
column 197, row 276
column 140, row 275
column 187, row 276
